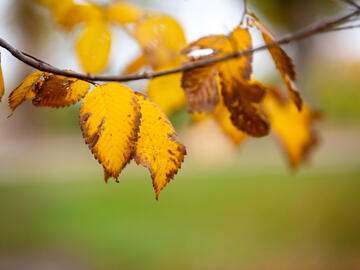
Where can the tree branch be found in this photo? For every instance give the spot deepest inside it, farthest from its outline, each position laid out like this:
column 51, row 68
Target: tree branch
column 322, row 27
column 352, row 3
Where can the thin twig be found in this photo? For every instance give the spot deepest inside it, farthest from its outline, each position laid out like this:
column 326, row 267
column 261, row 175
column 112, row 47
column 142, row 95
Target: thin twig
column 245, row 11
column 352, row 3
column 306, row 32
column 346, row 27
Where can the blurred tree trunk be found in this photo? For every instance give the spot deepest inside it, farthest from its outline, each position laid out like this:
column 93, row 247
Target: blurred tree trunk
column 30, row 25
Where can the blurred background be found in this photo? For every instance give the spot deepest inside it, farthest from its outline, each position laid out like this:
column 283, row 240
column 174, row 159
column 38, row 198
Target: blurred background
column 228, row 208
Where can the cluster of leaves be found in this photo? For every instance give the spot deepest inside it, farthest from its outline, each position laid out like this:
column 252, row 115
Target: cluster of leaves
column 119, row 124
column 241, row 105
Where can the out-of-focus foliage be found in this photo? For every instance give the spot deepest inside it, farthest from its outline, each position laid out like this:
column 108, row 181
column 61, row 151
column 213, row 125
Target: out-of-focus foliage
column 292, row 127
column 292, row 13
column 123, row 13
column 161, row 39
column 167, row 91
column 93, row 47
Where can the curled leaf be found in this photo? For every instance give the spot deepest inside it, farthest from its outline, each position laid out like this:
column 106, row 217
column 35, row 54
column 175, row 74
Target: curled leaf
column 93, row 47
column 109, row 120
column 293, row 128
column 46, row 89
column 282, row 61
column 124, row 13
column 158, row 147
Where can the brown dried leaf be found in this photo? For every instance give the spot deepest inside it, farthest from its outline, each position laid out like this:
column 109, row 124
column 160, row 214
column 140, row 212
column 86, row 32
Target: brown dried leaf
column 48, row 90
column 201, row 89
column 282, row 61
column 223, row 117
column 240, row 96
column 59, row 91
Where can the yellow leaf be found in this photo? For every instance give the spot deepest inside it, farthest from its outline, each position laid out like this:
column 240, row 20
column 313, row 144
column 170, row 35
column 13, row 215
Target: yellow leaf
column 124, row 13
column 2, row 89
column 109, row 120
column 136, row 65
column 166, row 91
column 69, row 14
column 161, row 39
column 48, row 90
column 27, row 89
column 93, row 47
column 282, row 61
column 294, row 128
column 157, row 146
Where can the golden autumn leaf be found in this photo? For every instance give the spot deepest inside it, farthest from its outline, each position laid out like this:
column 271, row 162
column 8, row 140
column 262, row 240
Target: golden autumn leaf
column 2, row 89
column 240, row 96
column 46, row 89
column 161, row 38
column 158, row 147
column 293, row 128
column 109, row 120
column 166, row 91
column 124, row 13
column 282, row 61
column 93, row 47
column 69, row 14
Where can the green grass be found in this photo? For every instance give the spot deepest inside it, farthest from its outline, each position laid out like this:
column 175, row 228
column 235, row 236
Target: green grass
column 202, row 221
